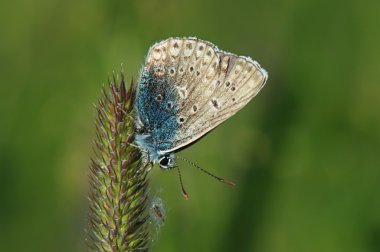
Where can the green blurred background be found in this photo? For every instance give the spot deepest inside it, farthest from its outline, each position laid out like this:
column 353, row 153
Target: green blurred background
column 304, row 154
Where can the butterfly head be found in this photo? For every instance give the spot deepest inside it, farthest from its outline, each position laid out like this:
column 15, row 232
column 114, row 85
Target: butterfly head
column 167, row 161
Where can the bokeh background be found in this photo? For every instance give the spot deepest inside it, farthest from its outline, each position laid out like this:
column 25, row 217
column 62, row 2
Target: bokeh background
column 304, row 154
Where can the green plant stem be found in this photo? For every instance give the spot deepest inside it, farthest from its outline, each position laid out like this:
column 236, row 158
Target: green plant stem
column 118, row 192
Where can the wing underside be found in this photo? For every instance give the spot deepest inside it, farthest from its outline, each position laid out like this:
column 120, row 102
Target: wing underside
column 212, row 85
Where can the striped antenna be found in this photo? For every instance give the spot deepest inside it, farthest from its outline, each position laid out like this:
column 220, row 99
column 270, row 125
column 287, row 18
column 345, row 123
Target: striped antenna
column 226, row 181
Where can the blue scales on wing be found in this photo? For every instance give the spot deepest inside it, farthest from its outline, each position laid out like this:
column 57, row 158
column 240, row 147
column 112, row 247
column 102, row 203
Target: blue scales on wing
column 157, row 103
column 188, row 87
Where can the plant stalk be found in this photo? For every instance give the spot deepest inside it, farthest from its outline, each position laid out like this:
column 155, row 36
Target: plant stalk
column 118, row 193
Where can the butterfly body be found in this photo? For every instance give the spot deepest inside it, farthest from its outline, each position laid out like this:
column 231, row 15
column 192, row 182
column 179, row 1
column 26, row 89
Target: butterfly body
column 188, row 87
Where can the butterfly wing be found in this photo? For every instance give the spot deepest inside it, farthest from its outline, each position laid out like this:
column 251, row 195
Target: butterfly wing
column 210, row 85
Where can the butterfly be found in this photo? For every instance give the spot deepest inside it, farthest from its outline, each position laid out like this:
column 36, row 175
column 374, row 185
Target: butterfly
column 187, row 87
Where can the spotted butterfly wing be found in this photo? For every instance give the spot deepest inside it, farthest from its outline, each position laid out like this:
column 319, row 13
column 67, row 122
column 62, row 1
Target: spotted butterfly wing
column 188, row 87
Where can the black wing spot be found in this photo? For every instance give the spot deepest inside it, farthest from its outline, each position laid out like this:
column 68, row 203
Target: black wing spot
column 169, row 105
column 159, row 97
column 215, row 103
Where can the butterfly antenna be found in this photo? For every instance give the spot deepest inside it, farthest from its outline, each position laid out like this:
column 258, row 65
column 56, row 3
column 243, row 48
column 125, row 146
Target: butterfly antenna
column 180, row 181
column 226, row 181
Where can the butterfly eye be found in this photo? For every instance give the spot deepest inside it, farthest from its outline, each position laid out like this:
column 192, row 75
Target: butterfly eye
column 164, row 162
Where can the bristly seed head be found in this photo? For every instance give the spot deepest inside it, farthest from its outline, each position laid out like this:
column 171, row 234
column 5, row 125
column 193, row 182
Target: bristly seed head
column 118, row 178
